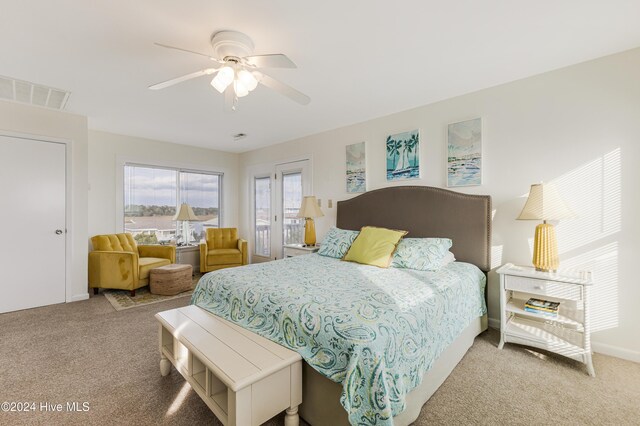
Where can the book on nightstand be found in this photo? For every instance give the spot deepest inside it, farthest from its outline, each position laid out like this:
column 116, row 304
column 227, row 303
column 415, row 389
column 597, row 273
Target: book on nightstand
column 542, row 307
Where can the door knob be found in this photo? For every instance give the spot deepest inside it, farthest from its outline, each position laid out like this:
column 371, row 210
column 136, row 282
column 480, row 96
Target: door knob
column 58, row 231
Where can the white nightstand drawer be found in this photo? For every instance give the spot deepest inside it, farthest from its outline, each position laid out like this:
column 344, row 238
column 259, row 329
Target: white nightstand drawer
column 543, row 287
column 290, row 250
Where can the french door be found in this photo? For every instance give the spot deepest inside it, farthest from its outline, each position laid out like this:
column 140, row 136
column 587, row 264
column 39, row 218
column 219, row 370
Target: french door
column 33, row 249
column 277, row 199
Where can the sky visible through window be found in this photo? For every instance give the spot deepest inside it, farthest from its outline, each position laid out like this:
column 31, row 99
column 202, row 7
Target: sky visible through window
column 152, row 196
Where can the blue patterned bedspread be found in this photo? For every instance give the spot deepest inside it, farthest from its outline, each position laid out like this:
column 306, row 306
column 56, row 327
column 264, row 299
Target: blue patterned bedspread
column 376, row 331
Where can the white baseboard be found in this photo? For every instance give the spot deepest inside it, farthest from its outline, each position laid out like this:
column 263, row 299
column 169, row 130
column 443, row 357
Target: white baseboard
column 494, row 323
column 601, row 348
column 79, row 297
column 616, row 351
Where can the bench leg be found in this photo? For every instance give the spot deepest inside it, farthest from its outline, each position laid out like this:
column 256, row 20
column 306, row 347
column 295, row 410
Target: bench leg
column 165, row 365
column 292, row 418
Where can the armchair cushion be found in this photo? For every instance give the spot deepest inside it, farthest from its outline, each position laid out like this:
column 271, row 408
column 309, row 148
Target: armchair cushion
column 164, row 252
column 148, row 263
column 224, row 256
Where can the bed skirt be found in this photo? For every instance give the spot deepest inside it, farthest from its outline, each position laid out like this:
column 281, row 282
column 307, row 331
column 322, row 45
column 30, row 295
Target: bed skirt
column 321, row 396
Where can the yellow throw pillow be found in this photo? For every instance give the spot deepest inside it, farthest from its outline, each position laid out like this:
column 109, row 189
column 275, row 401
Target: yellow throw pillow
column 374, row 246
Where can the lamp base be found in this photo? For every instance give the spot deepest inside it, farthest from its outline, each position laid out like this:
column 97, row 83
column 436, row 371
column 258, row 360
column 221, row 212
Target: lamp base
column 185, row 232
column 309, row 232
column 545, row 249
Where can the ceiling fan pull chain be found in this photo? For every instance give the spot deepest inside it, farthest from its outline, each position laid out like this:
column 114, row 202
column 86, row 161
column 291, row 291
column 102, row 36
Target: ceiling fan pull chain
column 235, row 102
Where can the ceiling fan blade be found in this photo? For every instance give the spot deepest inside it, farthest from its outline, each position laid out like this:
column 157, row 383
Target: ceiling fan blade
column 182, row 78
column 277, row 60
column 230, row 99
column 283, row 89
column 190, row 51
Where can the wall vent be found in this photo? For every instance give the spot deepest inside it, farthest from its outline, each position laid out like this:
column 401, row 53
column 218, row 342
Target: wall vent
column 34, row 94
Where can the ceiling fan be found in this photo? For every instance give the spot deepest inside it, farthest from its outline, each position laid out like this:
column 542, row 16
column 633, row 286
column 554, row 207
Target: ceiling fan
column 236, row 71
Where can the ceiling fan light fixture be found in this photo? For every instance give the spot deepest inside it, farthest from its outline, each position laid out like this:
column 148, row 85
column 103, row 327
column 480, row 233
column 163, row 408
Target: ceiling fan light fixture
column 223, row 79
column 236, row 64
column 240, row 89
column 218, row 85
column 248, row 80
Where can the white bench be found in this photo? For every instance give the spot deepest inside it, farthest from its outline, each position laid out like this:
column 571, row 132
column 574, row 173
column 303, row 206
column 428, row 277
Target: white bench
column 244, row 378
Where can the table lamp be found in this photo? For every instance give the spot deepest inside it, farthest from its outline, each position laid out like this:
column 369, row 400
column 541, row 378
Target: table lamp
column 309, row 210
column 185, row 214
column 544, row 203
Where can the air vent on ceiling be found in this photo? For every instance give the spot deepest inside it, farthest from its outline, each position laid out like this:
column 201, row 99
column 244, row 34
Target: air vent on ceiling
column 239, row 136
column 34, row 94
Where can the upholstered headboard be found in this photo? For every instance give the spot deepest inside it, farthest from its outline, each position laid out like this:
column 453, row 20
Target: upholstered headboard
column 425, row 211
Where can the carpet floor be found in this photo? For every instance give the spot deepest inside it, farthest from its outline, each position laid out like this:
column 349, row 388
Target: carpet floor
column 85, row 352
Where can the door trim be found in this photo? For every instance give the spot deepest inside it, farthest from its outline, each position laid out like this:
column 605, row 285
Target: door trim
column 69, row 225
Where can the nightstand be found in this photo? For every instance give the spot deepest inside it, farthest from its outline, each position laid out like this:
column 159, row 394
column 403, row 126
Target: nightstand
column 568, row 334
column 290, row 250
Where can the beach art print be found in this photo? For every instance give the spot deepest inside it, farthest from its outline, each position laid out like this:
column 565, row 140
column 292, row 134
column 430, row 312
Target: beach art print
column 356, row 168
column 464, row 163
column 403, row 156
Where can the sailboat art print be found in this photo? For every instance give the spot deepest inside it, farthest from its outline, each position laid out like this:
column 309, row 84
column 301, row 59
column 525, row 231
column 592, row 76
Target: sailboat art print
column 403, row 159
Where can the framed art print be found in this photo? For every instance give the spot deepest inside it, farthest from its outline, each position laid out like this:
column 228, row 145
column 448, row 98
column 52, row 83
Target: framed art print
column 403, row 156
column 464, row 153
column 356, row 168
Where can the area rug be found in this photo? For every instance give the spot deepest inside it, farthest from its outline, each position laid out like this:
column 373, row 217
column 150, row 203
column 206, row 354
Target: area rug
column 121, row 299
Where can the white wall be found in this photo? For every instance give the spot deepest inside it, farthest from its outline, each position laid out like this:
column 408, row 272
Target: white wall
column 578, row 126
column 28, row 120
column 108, row 151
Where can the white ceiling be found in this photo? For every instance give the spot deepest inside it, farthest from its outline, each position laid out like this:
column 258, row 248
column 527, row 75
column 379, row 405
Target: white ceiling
column 357, row 59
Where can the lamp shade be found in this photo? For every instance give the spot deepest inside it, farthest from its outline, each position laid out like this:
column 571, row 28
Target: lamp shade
column 544, row 203
column 309, row 207
column 185, row 213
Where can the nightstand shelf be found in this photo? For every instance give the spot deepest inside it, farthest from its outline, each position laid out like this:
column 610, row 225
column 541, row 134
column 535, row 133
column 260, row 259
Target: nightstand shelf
column 546, row 336
column 567, row 334
column 566, row 316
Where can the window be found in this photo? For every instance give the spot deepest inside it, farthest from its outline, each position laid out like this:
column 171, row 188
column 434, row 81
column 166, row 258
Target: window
column 201, row 192
column 293, row 226
column 263, row 215
column 153, row 194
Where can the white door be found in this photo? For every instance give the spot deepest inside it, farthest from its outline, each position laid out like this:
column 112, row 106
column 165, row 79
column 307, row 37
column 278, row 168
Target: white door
column 292, row 182
column 32, row 250
column 276, row 200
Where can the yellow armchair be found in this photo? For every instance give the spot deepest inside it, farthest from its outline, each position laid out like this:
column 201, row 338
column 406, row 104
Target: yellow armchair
column 222, row 249
column 118, row 262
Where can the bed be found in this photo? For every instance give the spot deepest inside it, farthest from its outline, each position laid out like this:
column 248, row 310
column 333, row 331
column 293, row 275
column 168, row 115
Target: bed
column 376, row 342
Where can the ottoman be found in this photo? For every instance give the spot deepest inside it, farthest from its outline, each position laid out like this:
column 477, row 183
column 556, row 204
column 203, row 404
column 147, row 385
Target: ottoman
column 170, row 279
